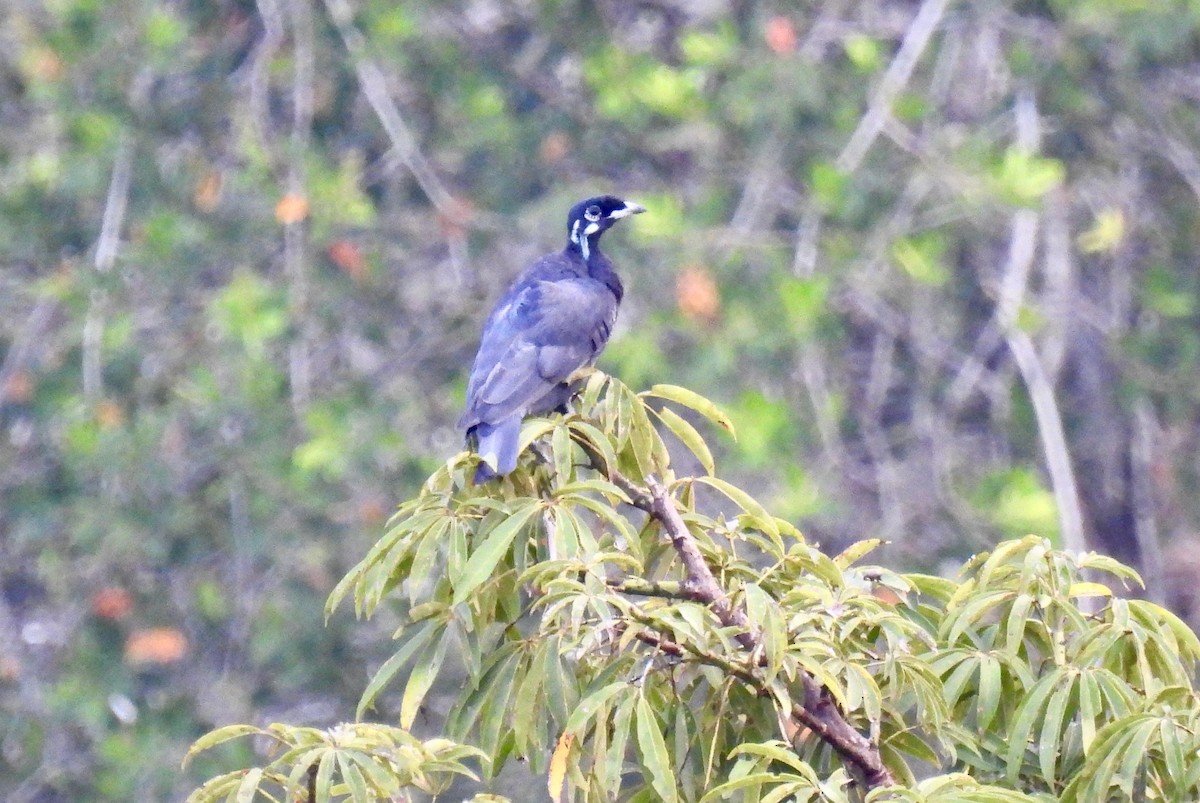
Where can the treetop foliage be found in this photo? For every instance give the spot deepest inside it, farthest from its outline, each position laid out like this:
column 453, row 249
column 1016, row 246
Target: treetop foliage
column 635, row 629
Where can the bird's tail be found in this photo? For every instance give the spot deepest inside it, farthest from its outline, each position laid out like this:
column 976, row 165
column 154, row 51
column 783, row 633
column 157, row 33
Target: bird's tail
column 497, row 448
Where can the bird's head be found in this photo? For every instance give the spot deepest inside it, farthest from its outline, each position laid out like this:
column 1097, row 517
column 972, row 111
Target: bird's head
column 588, row 219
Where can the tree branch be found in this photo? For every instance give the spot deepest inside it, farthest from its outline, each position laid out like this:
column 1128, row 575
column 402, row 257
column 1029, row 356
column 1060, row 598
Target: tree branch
column 818, row 712
column 893, row 83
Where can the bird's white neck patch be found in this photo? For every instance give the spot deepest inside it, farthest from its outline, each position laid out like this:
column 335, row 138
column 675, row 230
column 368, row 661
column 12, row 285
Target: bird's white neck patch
column 582, row 242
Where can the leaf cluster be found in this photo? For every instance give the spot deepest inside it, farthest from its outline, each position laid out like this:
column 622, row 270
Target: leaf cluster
column 591, row 652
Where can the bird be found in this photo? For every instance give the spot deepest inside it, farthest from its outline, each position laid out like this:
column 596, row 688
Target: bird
column 554, row 320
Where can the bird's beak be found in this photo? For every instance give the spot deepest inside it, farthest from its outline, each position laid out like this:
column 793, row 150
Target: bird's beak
column 630, row 208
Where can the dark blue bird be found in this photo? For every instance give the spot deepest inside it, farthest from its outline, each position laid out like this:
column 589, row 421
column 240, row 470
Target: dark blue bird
column 554, row 320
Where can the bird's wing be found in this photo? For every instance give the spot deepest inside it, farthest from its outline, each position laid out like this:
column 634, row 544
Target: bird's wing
column 536, row 338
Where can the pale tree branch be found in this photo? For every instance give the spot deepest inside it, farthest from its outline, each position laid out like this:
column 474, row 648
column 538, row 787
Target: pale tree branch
column 1022, row 244
column 1059, row 276
column 295, row 233
column 1145, row 513
column 107, row 244
column 894, row 80
column 374, row 85
column 811, row 366
column 405, row 146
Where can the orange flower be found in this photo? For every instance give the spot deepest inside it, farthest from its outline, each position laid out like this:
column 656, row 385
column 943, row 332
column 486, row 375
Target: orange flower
column 348, row 256
column 554, row 147
column 208, row 192
column 18, row 388
column 155, row 645
column 109, row 415
column 697, row 295
column 292, row 208
column 112, row 603
column 780, row 35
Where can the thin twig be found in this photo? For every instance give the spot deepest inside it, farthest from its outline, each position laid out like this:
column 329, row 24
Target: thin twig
column 115, row 205
column 107, row 244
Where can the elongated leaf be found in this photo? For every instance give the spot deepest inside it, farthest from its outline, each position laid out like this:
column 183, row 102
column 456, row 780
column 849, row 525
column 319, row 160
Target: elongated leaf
column 693, row 401
column 588, row 706
column 855, row 552
column 753, row 781
column 1024, row 721
column 989, row 691
column 248, row 788
column 647, row 446
column 653, row 750
column 762, row 519
column 417, row 641
column 1053, row 737
column 487, row 555
column 325, row 768
column 776, row 751
column 619, row 742
column 219, row 736
column 689, row 437
column 558, row 766
column 419, row 682
column 564, row 455
column 353, row 777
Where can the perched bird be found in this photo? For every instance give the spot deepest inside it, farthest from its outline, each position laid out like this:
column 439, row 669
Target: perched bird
column 553, row 320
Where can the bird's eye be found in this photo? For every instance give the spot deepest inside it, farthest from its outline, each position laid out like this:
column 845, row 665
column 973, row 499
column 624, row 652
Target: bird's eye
column 592, row 213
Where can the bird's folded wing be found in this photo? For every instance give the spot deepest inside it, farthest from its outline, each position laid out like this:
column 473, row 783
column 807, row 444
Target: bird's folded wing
column 548, row 331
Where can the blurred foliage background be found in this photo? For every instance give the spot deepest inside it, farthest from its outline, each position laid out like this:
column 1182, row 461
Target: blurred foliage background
column 938, row 259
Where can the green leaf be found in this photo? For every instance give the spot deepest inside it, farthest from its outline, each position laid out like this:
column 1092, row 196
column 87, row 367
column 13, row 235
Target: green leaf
column 653, row 750
column 855, row 552
column 487, row 555
column 416, row 641
column 989, row 691
column 761, row 518
column 1026, row 717
column 419, row 682
column 219, row 736
column 564, row 457
column 1053, row 737
column 248, row 788
column 693, row 401
column 353, row 777
column 775, row 751
column 588, row 706
column 689, row 437
column 619, row 739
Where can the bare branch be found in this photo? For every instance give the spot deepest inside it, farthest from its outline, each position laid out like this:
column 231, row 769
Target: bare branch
column 1022, row 243
column 374, row 86
column 894, row 80
column 105, row 256
column 115, row 205
column 1145, row 519
column 295, row 234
